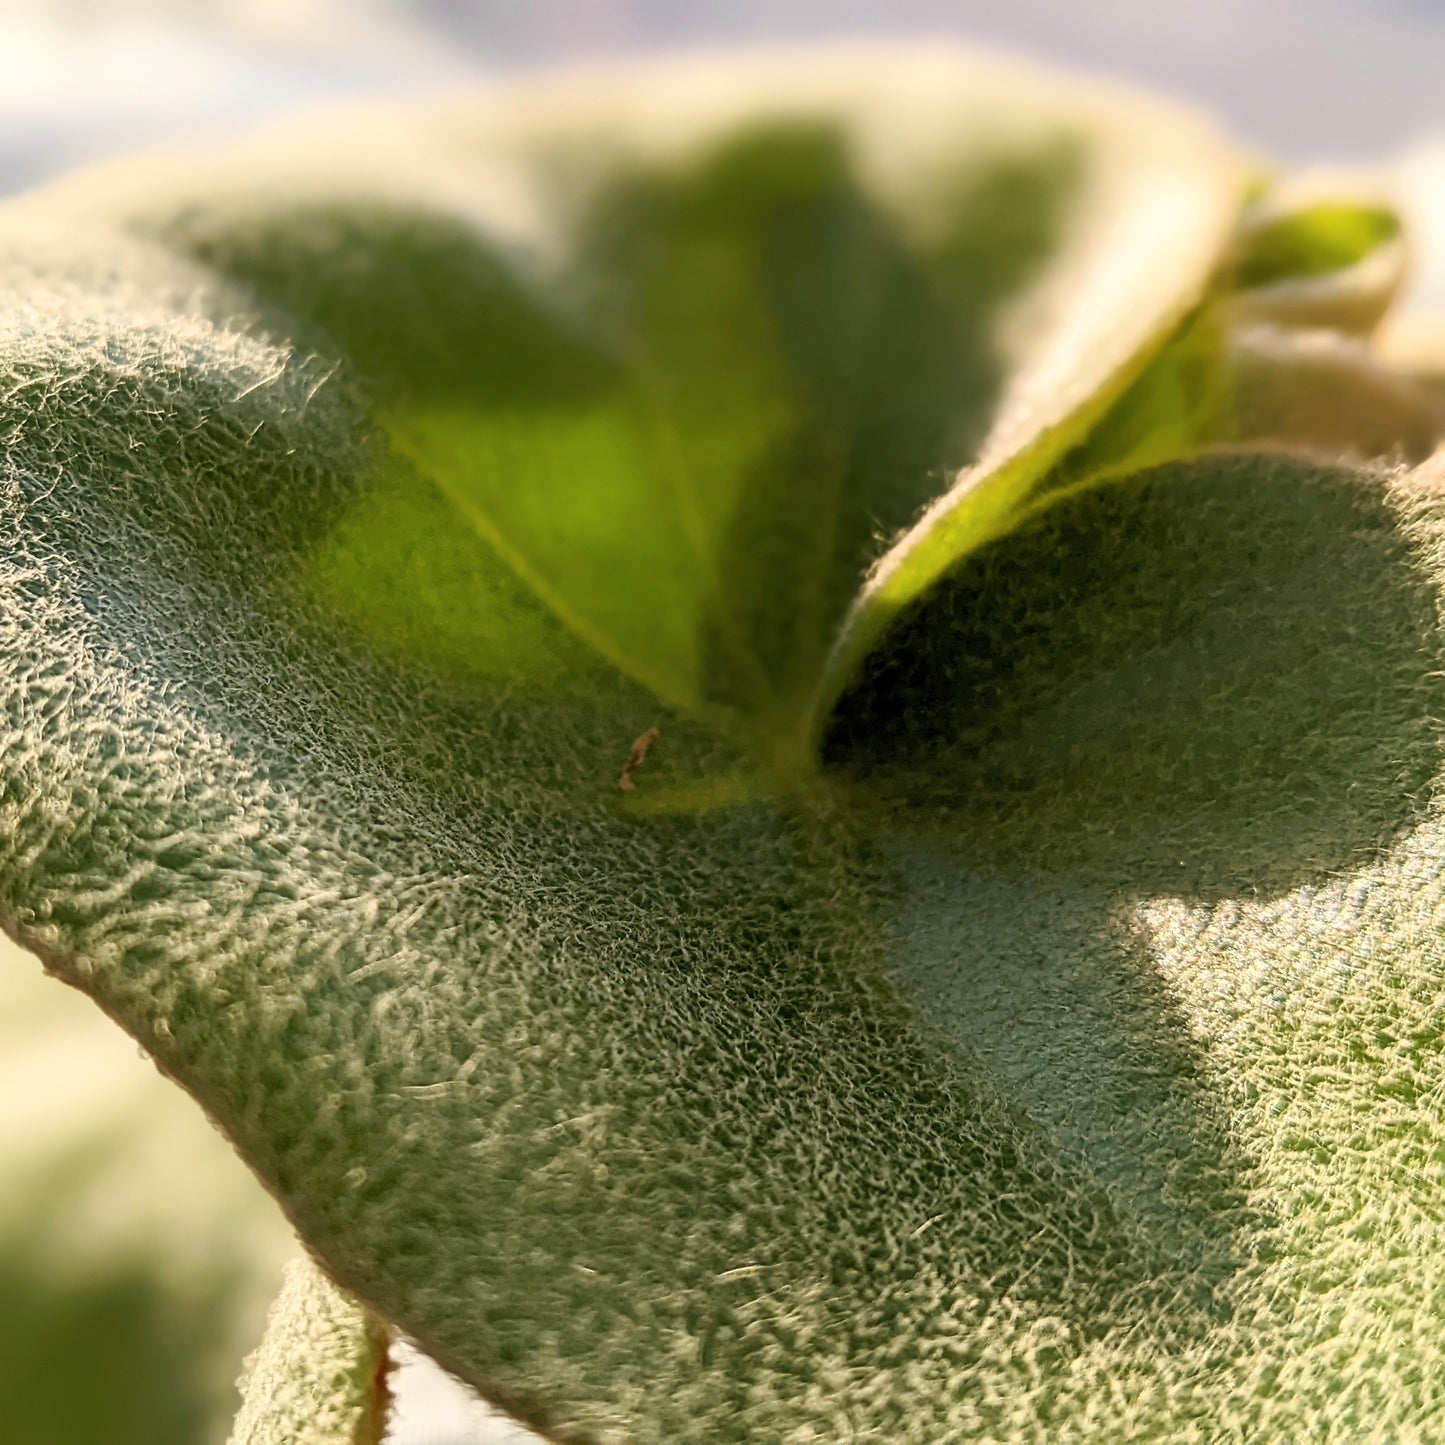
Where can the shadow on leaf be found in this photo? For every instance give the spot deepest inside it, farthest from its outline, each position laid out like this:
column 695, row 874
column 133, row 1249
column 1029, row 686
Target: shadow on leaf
column 1208, row 683
column 691, row 438
column 1214, row 682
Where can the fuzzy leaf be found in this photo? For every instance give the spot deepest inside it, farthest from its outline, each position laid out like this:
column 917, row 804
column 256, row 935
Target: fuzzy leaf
column 319, row 1377
column 1162, row 778
column 1057, row 1063
column 737, row 323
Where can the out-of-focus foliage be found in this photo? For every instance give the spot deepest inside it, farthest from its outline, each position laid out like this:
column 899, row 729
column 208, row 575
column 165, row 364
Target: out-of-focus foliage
column 136, row 1255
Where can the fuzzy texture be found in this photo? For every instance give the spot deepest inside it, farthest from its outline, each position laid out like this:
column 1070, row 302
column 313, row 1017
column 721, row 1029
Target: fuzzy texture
column 1060, row 1064
column 762, row 328
column 319, row 1377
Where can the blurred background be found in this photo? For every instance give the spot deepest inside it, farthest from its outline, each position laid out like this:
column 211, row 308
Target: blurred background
column 1302, row 80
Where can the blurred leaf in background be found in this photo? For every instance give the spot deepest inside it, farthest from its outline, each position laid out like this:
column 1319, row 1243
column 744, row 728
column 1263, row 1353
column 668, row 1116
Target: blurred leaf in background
column 137, row 1254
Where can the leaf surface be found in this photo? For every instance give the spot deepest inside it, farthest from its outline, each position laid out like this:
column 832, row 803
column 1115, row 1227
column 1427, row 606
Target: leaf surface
column 1054, row 1062
column 688, row 348
column 319, row 1377
column 1162, row 777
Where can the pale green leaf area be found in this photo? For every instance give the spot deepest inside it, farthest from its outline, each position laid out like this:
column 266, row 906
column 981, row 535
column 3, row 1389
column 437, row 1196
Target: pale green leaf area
column 1053, row 1060
column 1322, row 250
column 319, row 1377
column 1317, row 264
column 137, row 1257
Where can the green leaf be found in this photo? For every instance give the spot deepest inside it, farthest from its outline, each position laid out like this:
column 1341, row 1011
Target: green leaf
column 1314, row 241
column 1321, row 250
column 1057, row 1062
column 136, row 1256
column 1160, row 779
column 319, row 1377
column 737, row 328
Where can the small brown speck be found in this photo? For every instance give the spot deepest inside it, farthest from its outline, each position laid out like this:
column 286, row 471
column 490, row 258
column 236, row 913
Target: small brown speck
column 635, row 759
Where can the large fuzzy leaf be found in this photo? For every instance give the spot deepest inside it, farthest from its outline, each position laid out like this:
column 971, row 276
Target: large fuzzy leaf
column 1170, row 835
column 1055, row 1063
column 688, row 346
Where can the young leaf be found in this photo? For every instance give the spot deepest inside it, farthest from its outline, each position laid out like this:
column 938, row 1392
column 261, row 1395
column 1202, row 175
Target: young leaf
column 1328, row 394
column 1320, row 251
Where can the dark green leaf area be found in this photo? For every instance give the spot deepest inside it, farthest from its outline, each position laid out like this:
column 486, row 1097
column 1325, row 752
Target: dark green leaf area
column 690, row 437
column 1313, row 241
column 1206, row 681
column 1215, row 686
column 622, row 1119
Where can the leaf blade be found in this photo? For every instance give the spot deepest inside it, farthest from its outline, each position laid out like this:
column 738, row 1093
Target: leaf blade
column 370, row 902
column 740, row 361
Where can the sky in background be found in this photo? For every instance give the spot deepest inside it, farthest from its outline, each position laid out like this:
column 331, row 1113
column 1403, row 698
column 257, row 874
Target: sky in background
column 1304, row 79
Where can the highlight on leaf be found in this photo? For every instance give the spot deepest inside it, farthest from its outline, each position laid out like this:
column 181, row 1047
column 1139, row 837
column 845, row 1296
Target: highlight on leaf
column 320, row 1375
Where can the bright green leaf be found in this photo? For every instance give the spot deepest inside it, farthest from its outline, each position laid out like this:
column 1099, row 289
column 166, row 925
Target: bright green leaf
column 1321, row 250
column 1315, row 240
